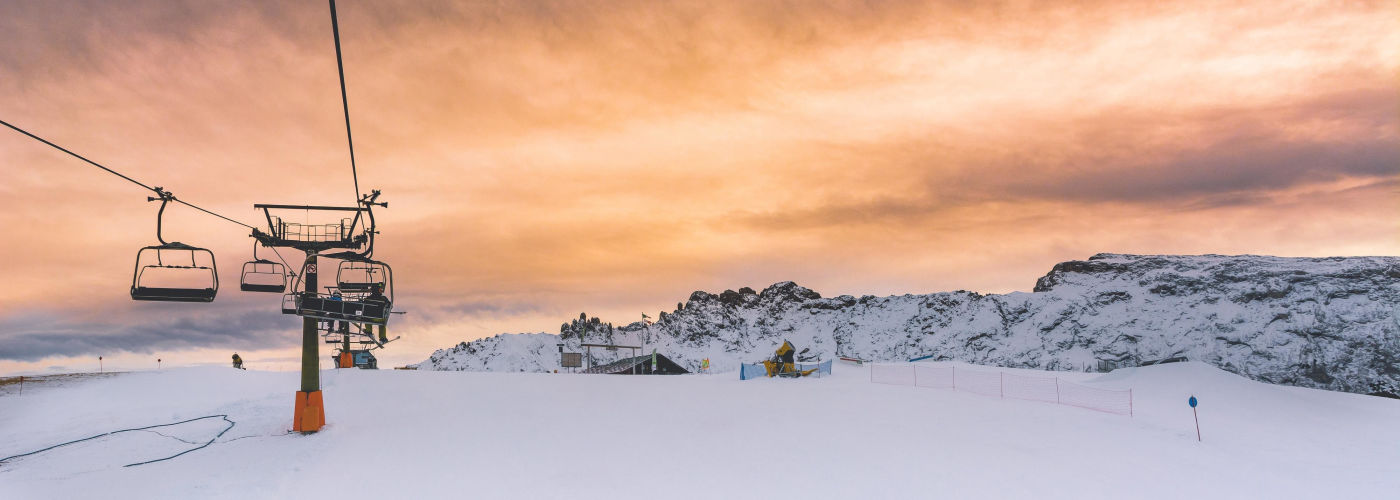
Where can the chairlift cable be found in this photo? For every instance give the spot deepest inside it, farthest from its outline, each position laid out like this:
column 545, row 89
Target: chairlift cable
column 345, row 101
column 285, row 265
column 76, row 155
column 158, row 191
column 188, row 204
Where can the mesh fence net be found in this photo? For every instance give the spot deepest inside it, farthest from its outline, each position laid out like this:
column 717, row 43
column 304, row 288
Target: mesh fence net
column 1032, row 388
column 892, row 374
column 938, row 377
column 1093, row 398
column 978, row 382
column 1005, row 385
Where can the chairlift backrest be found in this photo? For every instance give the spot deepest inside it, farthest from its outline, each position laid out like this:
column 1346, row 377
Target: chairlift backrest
column 364, row 276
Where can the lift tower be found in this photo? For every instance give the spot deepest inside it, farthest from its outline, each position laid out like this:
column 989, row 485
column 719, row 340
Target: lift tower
column 353, row 234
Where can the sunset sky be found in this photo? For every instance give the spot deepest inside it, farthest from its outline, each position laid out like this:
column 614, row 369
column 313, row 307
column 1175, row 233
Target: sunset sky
column 546, row 158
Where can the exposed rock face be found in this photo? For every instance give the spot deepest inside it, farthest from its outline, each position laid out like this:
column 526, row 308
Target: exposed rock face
column 1327, row 323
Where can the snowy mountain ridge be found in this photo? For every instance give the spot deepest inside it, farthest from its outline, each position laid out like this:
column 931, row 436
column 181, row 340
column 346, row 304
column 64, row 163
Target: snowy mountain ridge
column 1326, row 323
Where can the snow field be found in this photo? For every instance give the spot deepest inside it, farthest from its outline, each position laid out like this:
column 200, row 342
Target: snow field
column 403, row 434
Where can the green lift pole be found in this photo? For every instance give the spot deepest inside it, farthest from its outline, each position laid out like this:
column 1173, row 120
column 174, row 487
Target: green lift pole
column 310, row 340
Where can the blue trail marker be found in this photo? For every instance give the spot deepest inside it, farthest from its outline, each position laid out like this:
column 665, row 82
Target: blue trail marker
column 1192, row 402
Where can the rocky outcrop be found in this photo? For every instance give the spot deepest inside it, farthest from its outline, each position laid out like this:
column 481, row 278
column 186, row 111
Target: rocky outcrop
column 1327, row 323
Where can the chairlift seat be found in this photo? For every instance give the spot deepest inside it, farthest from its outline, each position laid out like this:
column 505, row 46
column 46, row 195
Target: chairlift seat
column 249, row 287
column 347, row 286
column 173, row 294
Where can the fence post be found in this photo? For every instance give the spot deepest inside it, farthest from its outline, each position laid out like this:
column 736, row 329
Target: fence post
column 1057, row 390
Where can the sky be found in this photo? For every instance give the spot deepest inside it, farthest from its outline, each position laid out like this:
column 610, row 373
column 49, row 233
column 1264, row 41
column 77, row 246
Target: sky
column 542, row 159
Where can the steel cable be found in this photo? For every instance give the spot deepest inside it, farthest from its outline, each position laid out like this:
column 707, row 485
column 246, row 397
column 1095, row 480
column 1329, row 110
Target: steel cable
column 158, row 191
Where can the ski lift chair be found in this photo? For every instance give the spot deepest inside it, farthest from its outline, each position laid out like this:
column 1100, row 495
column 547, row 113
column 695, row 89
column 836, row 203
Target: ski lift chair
column 168, row 282
column 153, row 281
column 262, row 275
column 367, row 299
column 366, row 310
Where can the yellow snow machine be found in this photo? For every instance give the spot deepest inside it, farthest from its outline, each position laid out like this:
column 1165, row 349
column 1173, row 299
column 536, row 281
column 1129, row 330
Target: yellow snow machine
column 782, row 364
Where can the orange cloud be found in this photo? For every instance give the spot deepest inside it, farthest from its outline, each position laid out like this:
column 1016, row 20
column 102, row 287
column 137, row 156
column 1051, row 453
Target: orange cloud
column 542, row 158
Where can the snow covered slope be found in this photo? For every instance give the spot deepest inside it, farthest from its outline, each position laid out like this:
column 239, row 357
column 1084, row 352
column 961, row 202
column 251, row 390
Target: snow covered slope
column 519, row 352
column 1314, row 322
column 404, row 434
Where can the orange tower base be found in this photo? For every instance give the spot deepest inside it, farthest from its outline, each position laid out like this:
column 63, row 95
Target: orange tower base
column 310, row 413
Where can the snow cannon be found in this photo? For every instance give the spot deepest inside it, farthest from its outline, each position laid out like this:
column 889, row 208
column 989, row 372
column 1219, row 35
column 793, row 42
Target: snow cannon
column 783, row 364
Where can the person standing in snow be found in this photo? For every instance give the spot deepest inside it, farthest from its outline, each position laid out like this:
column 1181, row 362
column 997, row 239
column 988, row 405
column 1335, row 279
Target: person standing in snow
column 237, row 361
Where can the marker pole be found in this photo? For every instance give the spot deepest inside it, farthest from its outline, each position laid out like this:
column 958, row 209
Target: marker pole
column 21, row 385
column 1198, row 424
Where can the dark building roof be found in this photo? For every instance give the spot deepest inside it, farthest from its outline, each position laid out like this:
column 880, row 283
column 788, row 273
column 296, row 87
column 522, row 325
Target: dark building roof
column 640, row 365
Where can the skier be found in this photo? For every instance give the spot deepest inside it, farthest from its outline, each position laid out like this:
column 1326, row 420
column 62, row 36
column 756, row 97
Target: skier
column 237, row 361
column 376, row 296
column 340, row 326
